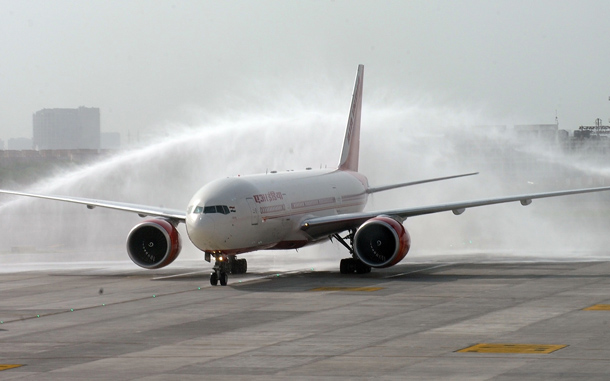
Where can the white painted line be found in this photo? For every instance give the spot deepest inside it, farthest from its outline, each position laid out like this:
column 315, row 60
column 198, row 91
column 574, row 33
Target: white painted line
column 272, row 275
column 177, row 275
column 416, row 271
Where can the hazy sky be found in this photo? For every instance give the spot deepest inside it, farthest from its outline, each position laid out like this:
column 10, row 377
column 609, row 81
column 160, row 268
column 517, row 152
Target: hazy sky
column 147, row 64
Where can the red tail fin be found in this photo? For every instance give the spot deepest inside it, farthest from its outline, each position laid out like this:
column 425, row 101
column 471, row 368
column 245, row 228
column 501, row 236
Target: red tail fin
column 351, row 144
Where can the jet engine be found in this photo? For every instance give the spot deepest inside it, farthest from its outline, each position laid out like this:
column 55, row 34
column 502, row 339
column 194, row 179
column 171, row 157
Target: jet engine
column 381, row 242
column 153, row 244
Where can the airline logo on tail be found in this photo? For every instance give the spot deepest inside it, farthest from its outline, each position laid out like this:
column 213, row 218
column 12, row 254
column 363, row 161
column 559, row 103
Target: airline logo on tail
column 351, row 144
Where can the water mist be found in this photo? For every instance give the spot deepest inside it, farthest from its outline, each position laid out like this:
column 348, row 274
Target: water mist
column 399, row 142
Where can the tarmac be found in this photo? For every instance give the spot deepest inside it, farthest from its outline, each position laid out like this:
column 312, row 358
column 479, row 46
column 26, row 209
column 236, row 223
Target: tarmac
column 418, row 321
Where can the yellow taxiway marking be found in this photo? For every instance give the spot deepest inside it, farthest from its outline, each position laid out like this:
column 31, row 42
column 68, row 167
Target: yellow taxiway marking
column 598, row 307
column 9, row 366
column 361, row 289
column 512, row 348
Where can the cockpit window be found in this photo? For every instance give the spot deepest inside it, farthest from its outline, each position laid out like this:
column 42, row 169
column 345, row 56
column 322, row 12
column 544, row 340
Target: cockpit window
column 222, row 209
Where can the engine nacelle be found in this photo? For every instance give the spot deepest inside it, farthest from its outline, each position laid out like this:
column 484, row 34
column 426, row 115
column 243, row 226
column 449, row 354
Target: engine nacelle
column 153, row 244
column 381, row 242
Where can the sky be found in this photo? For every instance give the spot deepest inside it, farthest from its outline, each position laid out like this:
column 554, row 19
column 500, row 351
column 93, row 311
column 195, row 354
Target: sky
column 152, row 64
column 239, row 87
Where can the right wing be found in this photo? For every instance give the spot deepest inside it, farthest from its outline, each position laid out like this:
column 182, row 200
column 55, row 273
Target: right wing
column 141, row 210
column 319, row 227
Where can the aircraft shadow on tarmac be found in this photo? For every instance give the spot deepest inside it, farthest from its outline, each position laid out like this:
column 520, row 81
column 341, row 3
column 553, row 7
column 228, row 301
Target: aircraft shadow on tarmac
column 414, row 274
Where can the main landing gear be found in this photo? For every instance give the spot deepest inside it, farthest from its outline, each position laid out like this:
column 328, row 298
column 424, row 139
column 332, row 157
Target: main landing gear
column 353, row 264
column 225, row 265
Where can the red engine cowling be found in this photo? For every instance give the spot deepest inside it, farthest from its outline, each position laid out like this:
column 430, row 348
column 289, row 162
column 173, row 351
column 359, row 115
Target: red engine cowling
column 153, row 244
column 381, row 242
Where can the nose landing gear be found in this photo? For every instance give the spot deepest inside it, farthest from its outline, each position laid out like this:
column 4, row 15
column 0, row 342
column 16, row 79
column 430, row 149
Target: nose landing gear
column 219, row 276
column 220, row 271
column 223, row 265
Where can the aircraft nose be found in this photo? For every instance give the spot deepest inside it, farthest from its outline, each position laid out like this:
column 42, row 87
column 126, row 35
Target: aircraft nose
column 201, row 229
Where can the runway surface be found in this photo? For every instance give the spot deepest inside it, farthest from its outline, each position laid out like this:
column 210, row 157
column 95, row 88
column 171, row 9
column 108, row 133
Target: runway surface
column 534, row 320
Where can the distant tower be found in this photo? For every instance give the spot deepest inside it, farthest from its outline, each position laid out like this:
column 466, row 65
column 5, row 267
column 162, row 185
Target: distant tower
column 66, row 128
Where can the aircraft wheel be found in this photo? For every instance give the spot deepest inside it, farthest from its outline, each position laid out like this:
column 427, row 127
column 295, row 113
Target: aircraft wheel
column 345, row 266
column 214, row 279
column 239, row 266
column 224, row 278
column 243, row 268
column 361, row 268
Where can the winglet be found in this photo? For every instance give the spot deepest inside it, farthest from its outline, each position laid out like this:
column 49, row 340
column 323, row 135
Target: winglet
column 351, row 144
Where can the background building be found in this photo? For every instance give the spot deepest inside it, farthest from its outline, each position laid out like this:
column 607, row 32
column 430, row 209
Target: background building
column 63, row 128
column 19, row 144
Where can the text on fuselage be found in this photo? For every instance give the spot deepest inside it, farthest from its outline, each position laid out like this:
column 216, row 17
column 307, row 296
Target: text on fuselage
column 268, row 197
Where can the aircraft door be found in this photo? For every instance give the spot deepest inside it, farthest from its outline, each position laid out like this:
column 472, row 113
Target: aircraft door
column 253, row 210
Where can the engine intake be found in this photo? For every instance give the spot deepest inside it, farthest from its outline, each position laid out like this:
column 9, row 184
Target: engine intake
column 153, row 244
column 381, row 242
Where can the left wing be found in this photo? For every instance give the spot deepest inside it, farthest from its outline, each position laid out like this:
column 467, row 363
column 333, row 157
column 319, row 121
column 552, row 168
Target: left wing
column 401, row 185
column 323, row 226
column 141, row 210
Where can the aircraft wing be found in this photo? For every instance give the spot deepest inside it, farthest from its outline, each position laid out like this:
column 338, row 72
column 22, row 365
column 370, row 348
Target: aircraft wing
column 323, row 226
column 141, row 210
column 401, row 185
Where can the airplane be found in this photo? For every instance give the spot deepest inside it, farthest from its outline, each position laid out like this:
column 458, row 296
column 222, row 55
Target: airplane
column 289, row 210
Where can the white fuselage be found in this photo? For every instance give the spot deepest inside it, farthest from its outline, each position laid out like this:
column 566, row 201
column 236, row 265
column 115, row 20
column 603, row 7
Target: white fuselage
column 240, row 214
